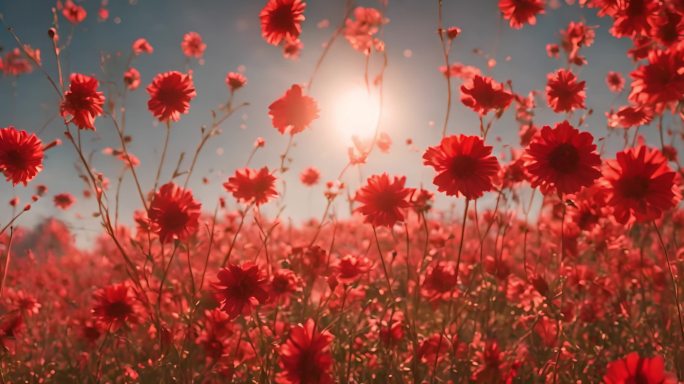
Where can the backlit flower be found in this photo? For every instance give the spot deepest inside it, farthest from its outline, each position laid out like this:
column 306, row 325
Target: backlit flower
column 615, row 82
column 282, row 19
column 309, row 176
column 293, row 112
column 235, row 81
column 174, row 213
column 82, row 101
column 132, row 79
column 563, row 92
column 192, row 45
column 636, row 369
column 483, row 94
column 521, row 12
column 306, row 358
column 141, row 46
column 252, row 186
column 659, row 81
column 21, row 155
column 562, row 159
column 170, row 95
column 383, row 201
column 74, row 13
column 464, row 164
column 64, row 201
column 640, row 184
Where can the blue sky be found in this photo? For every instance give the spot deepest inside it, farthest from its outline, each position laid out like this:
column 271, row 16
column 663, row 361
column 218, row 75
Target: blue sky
column 415, row 90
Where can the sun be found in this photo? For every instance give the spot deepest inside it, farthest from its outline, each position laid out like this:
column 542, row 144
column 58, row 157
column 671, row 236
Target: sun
column 356, row 113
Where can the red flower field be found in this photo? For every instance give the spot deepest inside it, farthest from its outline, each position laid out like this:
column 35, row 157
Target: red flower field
column 534, row 235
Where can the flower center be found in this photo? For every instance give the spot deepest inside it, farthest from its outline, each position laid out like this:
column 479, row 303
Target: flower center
column 174, row 219
column 15, row 159
column 634, row 187
column 564, row 158
column 281, row 19
column 118, row 309
column 462, row 166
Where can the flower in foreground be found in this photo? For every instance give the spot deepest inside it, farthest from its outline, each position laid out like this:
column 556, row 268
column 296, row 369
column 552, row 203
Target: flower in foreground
column 239, row 288
column 306, row 357
column 636, row 369
column 282, row 20
column 293, row 112
column 562, row 159
column 82, row 101
column 174, row 213
column 21, row 155
column 640, row 184
column 249, row 185
column 563, row 92
column 383, row 200
column 464, row 164
column 521, row 12
column 170, row 95
column 483, row 94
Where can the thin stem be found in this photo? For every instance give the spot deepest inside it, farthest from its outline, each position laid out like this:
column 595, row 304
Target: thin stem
column 672, row 276
column 163, row 155
column 7, row 262
column 445, row 53
column 384, row 266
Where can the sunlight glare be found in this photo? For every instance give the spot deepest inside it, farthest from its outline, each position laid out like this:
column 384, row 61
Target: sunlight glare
column 356, row 113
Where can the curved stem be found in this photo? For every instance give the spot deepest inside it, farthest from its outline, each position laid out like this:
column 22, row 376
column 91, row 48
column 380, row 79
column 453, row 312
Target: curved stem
column 445, row 53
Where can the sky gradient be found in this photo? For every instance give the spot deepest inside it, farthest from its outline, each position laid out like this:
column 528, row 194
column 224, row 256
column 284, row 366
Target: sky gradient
column 415, row 91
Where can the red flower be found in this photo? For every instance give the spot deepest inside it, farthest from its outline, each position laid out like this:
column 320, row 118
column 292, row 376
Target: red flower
column 631, row 116
column 464, row 164
column 64, row 200
column 170, row 95
column 235, row 81
column 141, row 46
column 659, row 81
column 192, row 45
column 293, row 112
column 174, row 213
column 282, row 19
column 132, row 79
column 562, row 159
column 640, row 184
column 16, row 63
column 249, row 185
column 305, row 358
column 292, row 49
column 636, row 369
column 74, row 13
column 632, row 17
column 563, row 92
column 82, row 101
column 310, row 176
column 483, row 94
column 284, row 283
column 21, row 155
column 350, row 268
column 359, row 32
column 440, row 281
column 115, row 306
column 239, row 288
column 383, row 200
column 615, row 81
column 521, row 12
